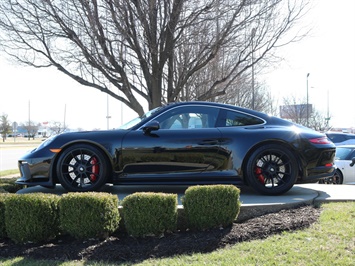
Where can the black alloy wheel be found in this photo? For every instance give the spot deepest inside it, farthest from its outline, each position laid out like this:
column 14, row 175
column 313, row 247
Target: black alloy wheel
column 272, row 170
column 82, row 168
column 336, row 179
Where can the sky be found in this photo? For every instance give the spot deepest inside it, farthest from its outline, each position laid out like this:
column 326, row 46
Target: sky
column 327, row 54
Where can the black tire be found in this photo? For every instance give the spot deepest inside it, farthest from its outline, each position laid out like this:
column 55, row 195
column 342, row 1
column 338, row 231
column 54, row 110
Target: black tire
column 336, row 179
column 272, row 170
column 82, row 168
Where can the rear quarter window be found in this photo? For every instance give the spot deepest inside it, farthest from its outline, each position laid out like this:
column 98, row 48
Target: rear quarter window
column 235, row 119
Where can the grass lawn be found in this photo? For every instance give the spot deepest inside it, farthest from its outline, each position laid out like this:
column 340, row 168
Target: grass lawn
column 330, row 241
column 6, row 173
column 20, row 141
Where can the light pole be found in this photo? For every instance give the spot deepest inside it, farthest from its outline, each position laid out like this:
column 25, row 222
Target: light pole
column 108, row 113
column 328, row 117
column 307, row 117
column 65, row 116
column 252, row 69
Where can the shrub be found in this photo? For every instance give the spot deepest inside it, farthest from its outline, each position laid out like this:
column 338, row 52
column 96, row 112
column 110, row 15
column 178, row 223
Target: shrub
column 89, row 214
column 2, row 215
column 9, row 185
column 211, row 206
column 31, row 217
column 147, row 213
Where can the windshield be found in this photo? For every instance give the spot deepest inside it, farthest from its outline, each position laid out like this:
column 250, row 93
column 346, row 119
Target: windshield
column 136, row 120
column 342, row 153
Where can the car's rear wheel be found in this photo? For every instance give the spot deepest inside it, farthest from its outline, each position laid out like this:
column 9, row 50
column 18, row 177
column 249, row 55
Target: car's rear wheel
column 336, row 179
column 82, row 168
column 272, row 170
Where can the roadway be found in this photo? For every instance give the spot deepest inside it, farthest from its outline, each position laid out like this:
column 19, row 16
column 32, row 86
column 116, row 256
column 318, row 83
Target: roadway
column 10, row 153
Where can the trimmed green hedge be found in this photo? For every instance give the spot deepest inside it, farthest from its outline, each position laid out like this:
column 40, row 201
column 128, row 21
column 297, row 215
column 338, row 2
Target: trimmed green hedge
column 211, row 206
column 40, row 217
column 2, row 214
column 31, row 217
column 147, row 213
column 9, row 185
column 89, row 214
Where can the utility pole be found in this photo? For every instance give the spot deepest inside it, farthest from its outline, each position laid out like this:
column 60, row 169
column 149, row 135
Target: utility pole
column 307, row 117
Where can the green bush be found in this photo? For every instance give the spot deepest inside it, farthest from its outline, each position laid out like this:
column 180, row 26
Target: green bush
column 211, row 206
column 31, row 217
column 3, row 191
column 2, row 215
column 89, row 214
column 9, row 185
column 147, row 213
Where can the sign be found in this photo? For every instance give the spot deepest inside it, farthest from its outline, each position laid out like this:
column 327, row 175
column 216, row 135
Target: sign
column 295, row 111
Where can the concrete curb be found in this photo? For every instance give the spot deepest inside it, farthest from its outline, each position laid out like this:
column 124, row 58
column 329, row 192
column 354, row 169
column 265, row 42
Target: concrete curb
column 253, row 204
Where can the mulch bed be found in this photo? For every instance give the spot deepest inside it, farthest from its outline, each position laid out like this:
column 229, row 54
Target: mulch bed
column 123, row 248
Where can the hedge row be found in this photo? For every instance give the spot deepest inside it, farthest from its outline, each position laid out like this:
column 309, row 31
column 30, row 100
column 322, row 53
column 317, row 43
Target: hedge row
column 40, row 217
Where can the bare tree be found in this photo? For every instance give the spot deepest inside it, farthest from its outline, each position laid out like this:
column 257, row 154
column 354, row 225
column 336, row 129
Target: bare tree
column 318, row 122
column 31, row 129
column 57, row 127
column 5, row 126
column 296, row 110
column 148, row 51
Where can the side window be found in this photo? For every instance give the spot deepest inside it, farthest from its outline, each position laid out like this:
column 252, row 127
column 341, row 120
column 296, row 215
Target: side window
column 235, row 119
column 352, row 155
column 188, row 117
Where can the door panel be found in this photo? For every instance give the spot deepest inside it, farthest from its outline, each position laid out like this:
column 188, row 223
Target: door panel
column 170, row 151
column 184, row 140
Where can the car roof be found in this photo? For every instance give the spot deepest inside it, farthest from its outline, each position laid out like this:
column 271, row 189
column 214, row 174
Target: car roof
column 340, row 133
column 224, row 105
column 347, row 146
column 267, row 118
column 259, row 114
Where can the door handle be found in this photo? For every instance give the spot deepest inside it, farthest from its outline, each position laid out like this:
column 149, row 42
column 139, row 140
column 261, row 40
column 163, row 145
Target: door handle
column 209, row 142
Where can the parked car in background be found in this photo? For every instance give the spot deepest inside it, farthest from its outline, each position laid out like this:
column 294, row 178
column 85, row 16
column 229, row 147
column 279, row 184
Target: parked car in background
column 185, row 144
column 339, row 138
column 344, row 173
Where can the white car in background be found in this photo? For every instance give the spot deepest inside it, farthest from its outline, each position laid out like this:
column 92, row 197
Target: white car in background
column 344, row 174
column 340, row 138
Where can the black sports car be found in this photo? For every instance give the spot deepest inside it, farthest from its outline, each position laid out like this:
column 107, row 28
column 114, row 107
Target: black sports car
column 185, row 143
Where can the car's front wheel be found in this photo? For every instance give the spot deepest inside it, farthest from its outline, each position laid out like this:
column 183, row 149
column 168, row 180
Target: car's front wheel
column 81, row 168
column 272, row 170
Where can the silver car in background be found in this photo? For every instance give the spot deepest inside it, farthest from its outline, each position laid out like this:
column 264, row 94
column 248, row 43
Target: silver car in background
column 344, row 173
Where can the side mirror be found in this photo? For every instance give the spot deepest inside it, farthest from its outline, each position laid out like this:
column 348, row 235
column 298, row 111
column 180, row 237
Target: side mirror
column 151, row 126
column 352, row 161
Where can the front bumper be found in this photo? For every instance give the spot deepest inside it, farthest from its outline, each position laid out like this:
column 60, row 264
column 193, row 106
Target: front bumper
column 35, row 174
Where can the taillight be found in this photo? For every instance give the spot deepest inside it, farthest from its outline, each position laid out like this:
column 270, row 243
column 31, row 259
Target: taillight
column 321, row 140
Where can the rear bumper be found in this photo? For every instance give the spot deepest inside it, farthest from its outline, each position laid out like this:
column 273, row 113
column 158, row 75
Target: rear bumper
column 315, row 174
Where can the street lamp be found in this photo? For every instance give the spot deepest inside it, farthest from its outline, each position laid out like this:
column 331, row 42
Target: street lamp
column 307, row 117
column 107, row 113
column 252, row 69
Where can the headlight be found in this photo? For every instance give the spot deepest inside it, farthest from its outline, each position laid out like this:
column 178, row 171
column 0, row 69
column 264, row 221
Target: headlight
column 46, row 142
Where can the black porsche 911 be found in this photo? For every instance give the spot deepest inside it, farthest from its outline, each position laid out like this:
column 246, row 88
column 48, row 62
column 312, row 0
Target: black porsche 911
column 185, row 143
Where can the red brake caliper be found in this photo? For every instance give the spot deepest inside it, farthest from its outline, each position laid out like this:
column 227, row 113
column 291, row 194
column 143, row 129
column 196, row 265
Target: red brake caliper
column 259, row 175
column 95, row 169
